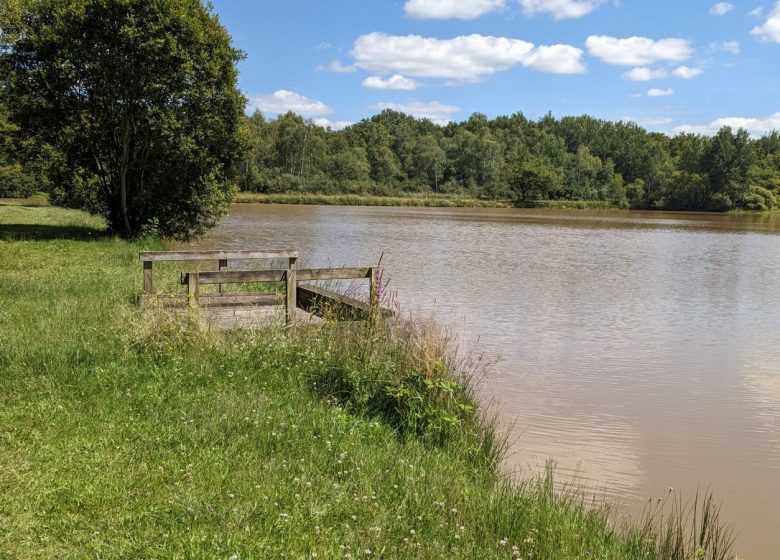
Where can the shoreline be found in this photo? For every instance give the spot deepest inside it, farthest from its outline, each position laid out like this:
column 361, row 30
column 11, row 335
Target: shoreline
column 429, row 201
column 447, row 201
column 419, row 201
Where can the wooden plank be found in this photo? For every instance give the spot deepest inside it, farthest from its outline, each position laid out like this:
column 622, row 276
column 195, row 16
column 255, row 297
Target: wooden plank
column 333, row 273
column 238, row 276
column 327, row 303
column 292, row 290
column 215, row 255
column 147, row 277
column 223, row 264
column 234, row 299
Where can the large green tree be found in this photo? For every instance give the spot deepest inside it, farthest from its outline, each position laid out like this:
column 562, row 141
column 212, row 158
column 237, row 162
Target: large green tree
column 727, row 162
column 140, row 99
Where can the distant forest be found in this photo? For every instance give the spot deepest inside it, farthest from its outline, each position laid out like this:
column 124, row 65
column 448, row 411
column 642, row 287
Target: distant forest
column 514, row 158
column 505, row 159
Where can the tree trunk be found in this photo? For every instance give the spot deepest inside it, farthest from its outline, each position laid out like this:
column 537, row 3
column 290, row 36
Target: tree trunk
column 123, row 165
column 123, row 201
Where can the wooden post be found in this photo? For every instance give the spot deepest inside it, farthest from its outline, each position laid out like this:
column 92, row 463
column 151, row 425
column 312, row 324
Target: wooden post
column 373, row 298
column 147, row 277
column 223, row 266
column 292, row 287
column 192, row 288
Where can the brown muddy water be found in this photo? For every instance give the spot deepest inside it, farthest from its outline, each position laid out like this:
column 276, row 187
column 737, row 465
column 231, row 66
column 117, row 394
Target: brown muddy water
column 640, row 351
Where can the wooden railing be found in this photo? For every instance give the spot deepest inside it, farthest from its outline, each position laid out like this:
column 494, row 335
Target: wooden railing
column 222, row 257
column 313, row 299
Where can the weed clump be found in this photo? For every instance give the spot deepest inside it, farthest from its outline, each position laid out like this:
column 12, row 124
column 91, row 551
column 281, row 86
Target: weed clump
column 405, row 373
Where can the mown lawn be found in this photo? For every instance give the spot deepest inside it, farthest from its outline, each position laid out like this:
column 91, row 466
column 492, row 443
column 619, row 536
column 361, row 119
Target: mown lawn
column 127, row 434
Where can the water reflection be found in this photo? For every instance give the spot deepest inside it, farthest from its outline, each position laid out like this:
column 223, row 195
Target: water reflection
column 640, row 350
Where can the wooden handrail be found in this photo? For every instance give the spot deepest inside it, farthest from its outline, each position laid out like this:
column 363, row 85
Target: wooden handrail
column 222, row 256
column 280, row 275
column 236, row 276
column 149, row 256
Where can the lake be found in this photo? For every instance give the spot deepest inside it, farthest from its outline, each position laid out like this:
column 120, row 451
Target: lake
column 639, row 350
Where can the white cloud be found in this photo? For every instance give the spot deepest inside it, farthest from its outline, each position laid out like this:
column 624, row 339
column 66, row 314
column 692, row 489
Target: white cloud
column 336, row 66
column 756, row 13
column 467, row 58
column 655, row 121
column 437, row 112
column 556, row 59
column 727, row 46
column 656, row 92
column 686, row 72
column 283, row 100
column 396, row 81
column 637, row 51
column 560, row 9
column 770, row 30
column 644, row 74
column 464, row 58
column 446, row 9
column 636, row 95
column 721, row 8
column 756, row 126
column 333, row 125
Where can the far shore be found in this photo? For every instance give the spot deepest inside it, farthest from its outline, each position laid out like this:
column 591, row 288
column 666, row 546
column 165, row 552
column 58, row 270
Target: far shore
column 415, row 200
column 420, row 200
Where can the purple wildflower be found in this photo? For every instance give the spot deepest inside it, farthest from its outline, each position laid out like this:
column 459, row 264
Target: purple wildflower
column 378, row 283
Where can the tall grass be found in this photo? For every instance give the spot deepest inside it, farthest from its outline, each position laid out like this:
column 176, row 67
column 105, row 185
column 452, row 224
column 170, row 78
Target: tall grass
column 417, row 200
column 126, row 432
column 449, row 201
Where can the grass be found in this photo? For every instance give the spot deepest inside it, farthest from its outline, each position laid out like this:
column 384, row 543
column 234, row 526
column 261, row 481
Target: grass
column 127, row 433
column 418, row 200
column 37, row 199
column 570, row 204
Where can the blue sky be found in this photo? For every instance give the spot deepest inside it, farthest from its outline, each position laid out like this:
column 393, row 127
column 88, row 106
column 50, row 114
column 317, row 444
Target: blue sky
column 669, row 65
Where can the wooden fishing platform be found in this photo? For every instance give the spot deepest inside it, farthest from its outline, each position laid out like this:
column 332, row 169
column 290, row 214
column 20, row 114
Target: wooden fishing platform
column 296, row 302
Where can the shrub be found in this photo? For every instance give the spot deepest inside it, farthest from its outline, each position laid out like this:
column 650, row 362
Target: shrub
column 761, row 199
column 719, row 202
column 15, row 183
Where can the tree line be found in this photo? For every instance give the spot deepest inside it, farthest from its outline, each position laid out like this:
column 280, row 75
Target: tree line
column 130, row 109
column 514, row 158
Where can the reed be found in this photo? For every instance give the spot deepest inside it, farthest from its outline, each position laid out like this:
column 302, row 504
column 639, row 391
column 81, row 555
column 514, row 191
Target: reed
column 445, row 201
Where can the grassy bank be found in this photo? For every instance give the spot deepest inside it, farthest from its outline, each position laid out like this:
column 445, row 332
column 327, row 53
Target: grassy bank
column 125, row 434
column 370, row 200
column 443, row 201
column 37, row 199
column 569, row 204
